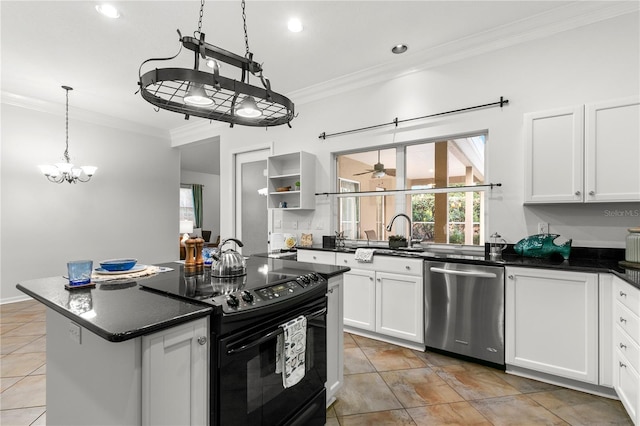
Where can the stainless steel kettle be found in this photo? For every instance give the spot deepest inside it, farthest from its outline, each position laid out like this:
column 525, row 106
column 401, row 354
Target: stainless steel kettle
column 228, row 263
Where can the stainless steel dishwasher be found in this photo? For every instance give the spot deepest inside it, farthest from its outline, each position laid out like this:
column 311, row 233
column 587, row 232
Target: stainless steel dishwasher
column 464, row 309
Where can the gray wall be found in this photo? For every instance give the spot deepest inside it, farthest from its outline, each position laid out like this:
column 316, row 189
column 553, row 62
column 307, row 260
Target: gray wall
column 129, row 208
column 254, row 208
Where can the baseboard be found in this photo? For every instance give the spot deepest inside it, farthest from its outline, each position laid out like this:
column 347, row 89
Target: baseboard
column 383, row 338
column 15, row 299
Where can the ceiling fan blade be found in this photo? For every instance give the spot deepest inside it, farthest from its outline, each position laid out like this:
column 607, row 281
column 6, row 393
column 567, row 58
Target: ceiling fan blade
column 363, row 173
column 390, row 172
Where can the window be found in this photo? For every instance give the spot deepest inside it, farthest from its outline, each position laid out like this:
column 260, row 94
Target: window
column 447, row 217
column 187, row 210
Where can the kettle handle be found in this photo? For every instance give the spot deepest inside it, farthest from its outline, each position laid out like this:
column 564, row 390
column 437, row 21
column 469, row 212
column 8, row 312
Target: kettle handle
column 238, row 242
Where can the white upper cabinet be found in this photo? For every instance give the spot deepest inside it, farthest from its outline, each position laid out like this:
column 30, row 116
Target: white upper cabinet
column 612, row 150
column 283, row 173
column 553, row 156
column 584, row 153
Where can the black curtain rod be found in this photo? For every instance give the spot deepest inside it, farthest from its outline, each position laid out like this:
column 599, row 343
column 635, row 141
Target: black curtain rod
column 413, row 191
column 502, row 102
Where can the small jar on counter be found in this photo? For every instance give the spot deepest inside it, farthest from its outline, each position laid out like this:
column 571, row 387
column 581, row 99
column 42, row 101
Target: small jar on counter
column 632, row 253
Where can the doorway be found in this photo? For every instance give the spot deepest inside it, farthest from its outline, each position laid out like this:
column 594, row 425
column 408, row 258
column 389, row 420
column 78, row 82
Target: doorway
column 251, row 213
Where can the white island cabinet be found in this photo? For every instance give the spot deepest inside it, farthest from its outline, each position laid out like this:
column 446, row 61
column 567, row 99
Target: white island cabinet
column 92, row 381
column 175, row 383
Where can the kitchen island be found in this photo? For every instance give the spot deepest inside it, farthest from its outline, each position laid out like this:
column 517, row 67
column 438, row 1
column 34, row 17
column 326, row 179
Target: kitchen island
column 122, row 354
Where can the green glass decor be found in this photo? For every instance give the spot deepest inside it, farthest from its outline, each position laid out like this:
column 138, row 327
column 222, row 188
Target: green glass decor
column 542, row 245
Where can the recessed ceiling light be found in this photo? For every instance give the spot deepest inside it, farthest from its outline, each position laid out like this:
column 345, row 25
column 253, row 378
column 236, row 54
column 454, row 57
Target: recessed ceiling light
column 294, row 25
column 108, row 11
column 399, row 48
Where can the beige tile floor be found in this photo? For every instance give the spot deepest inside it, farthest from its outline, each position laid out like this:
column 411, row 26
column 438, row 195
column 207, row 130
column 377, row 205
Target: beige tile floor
column 389, row 385
column 384, row 385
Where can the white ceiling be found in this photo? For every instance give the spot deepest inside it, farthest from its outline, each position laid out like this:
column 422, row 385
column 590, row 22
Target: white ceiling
column 47, row 44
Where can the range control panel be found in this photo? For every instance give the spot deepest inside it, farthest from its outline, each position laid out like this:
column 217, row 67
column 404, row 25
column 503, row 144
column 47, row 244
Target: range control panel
column 254, row 299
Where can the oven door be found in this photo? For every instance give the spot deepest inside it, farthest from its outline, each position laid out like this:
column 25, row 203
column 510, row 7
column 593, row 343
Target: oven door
column 250, row 392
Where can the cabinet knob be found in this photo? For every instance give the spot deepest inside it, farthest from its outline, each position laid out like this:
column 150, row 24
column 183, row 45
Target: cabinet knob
column 623, row 319
column 592, row 192
column 371, row 279
column 378, row 279
column 623, row 346
column 202, row 340
column 622, row 364
column 330, row 290
column 510, row 277
column 408, row 268
column 314, row 258
column 578, row 193
column 623, row 294
column 345, row 261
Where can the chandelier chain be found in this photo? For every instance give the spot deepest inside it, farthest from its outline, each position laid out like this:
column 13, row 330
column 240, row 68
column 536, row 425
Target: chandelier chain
column 66, row 149
column 246, row 37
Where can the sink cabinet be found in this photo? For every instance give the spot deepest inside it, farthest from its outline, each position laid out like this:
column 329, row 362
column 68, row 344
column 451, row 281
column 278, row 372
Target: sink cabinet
column 578, row 154
column 384, row 296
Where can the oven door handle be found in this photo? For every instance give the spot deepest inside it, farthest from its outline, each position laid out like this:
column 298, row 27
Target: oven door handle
column 269, row 336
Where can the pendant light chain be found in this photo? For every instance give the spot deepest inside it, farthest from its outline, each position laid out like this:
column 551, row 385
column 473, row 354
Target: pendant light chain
column 200, row 18
column 246, row 37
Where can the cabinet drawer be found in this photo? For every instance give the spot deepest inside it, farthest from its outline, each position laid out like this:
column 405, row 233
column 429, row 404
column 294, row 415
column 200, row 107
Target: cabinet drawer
column 627, row 384
column 627, row 347
column 627, row 321
column 392, row 264
column 316, row 256
column 627, row 295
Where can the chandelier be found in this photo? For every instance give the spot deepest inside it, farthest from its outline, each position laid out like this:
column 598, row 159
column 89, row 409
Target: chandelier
column 65, row 172
column 208, row 94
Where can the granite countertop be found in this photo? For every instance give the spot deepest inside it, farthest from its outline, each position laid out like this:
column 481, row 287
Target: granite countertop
column 114, row 311
column 582, row 259
column 119, row 311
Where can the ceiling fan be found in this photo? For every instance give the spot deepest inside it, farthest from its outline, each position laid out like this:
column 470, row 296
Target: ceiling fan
column 378, row 170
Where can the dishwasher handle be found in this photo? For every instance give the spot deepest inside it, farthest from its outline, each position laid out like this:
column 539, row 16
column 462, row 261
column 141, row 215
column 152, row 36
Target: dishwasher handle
column 478, row 274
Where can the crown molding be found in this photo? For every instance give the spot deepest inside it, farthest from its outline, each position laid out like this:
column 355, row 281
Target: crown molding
column 568, row 17
column 54, row 108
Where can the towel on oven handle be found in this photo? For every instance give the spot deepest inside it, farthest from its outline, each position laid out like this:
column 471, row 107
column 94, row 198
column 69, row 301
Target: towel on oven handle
column 291, row 350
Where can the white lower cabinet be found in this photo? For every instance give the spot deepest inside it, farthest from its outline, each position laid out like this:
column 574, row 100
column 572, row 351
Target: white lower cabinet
column 385, row 296
column 552, row 322
column 626, row 346
column 360, row 299
column 175, row 366
column 335, row 338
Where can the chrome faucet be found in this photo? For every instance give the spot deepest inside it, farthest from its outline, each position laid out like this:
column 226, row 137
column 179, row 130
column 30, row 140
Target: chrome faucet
column 410, row 227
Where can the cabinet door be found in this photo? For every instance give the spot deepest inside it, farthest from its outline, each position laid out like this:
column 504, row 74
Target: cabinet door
column 400, row 306
column 335, row 338
column 612, row 143
column 553, row 156
column 175, row 368
column 360, row 299
column 552, row 322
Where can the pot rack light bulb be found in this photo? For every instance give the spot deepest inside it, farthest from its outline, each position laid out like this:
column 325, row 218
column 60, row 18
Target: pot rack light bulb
column 248, row 108
column 197, row 96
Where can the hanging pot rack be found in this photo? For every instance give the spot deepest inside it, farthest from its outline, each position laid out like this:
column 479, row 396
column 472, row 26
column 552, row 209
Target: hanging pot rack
column 467, row 188
column 502, row 102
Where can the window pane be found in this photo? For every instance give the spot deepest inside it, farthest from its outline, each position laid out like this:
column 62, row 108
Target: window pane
column 186, row 205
